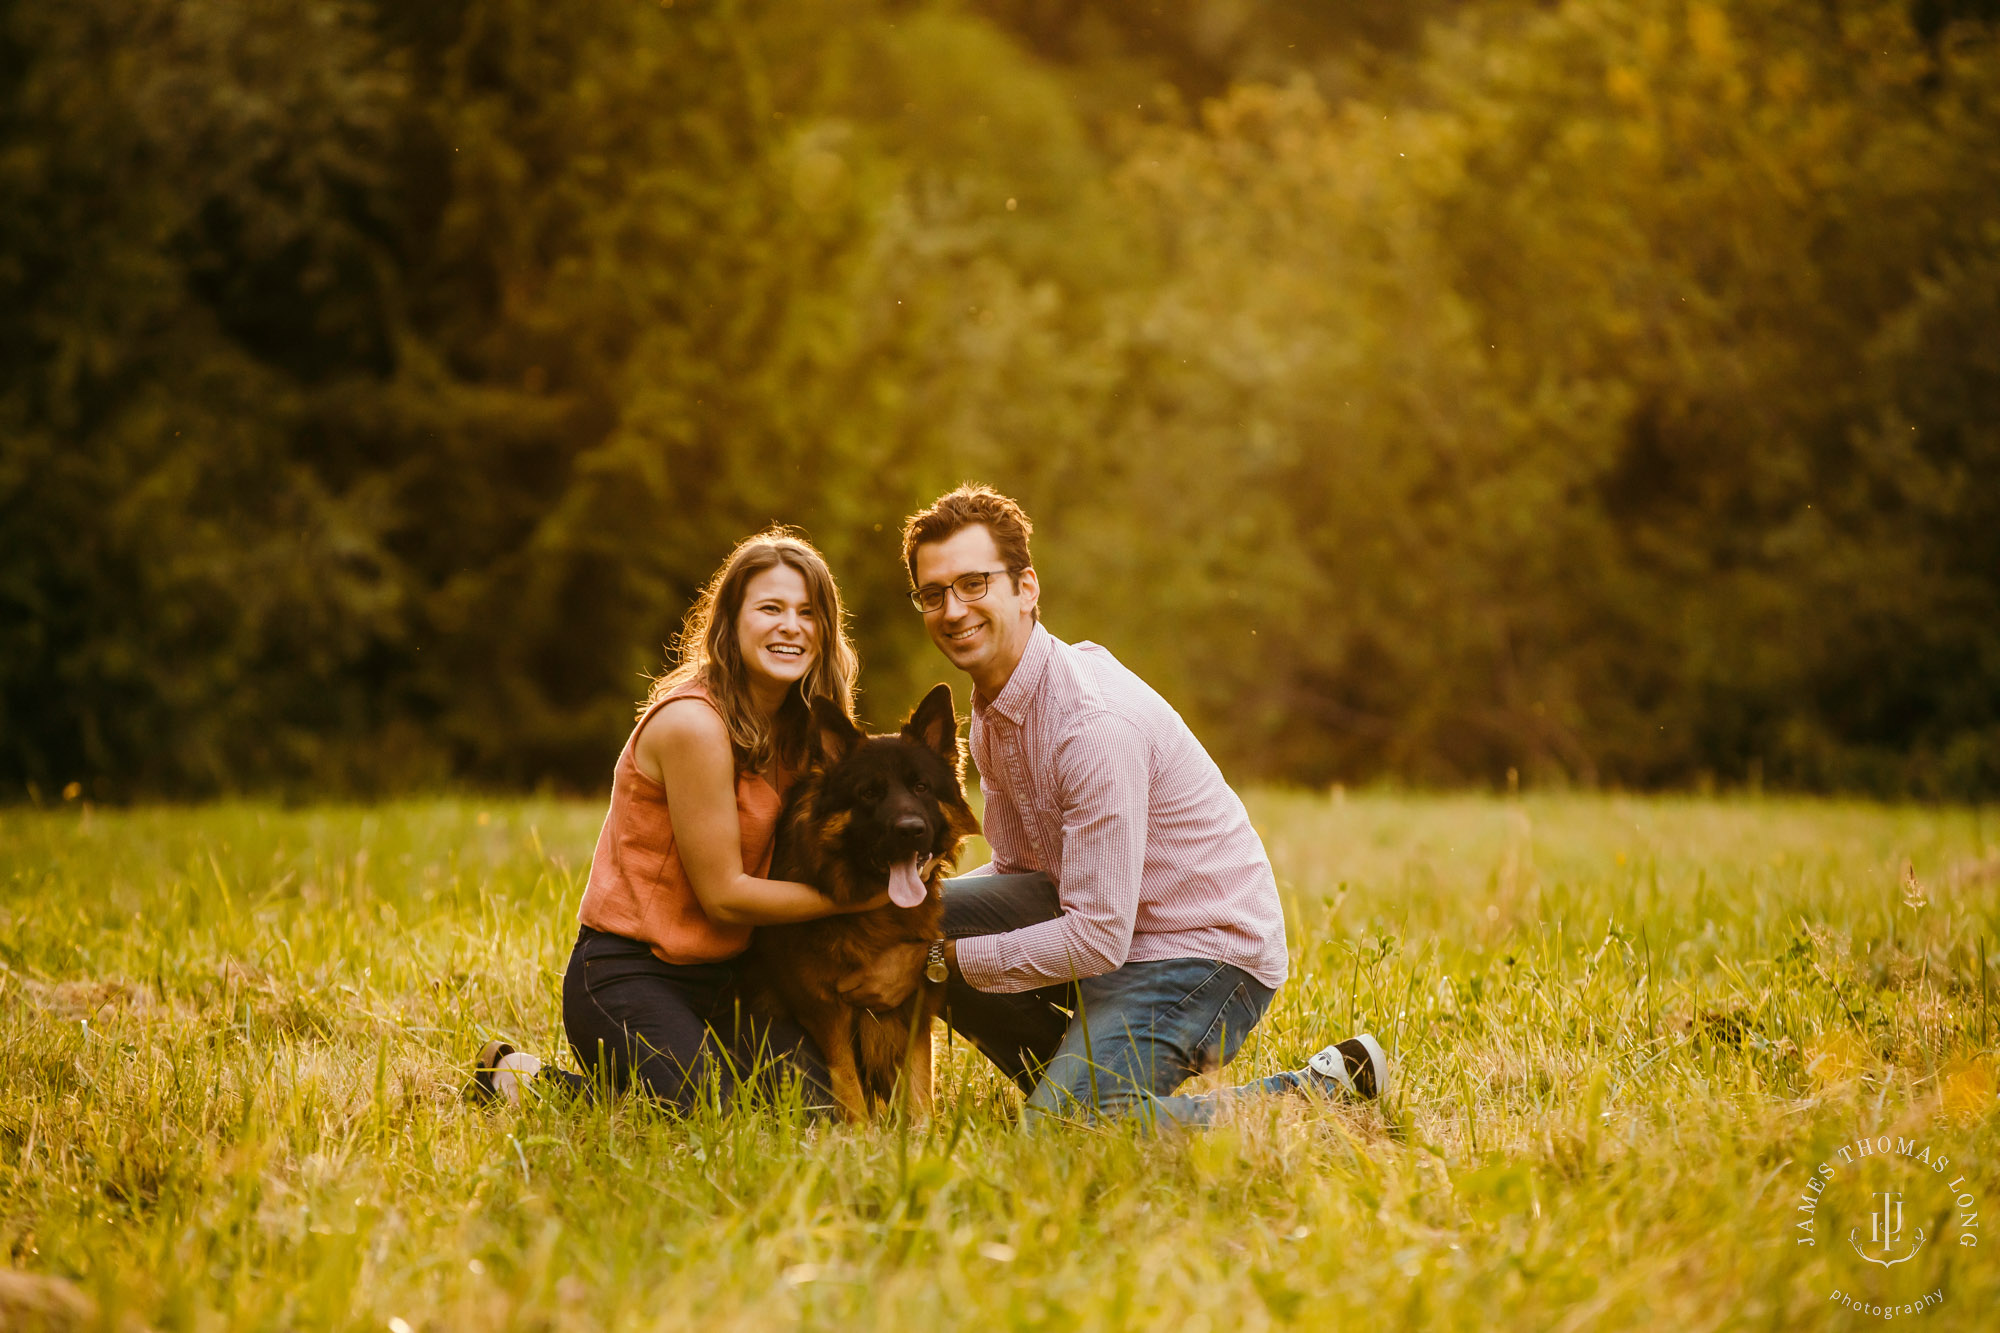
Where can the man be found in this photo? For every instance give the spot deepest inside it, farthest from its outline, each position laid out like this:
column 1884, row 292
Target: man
column 1127, row 934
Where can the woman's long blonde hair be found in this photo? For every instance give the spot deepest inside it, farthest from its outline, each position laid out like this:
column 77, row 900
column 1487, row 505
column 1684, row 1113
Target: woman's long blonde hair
column 706, row 651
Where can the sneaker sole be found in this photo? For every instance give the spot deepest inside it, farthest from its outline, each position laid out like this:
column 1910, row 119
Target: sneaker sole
column 1378, row 1062
column 490, row 1056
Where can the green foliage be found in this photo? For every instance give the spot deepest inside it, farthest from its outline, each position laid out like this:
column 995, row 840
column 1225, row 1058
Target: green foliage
column 426, row 368
column 232, row 1042
column 182, row 596
column 1558, row 391
column 1595, row 390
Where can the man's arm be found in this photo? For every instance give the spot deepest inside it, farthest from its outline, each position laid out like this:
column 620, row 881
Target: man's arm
column 1102, row 784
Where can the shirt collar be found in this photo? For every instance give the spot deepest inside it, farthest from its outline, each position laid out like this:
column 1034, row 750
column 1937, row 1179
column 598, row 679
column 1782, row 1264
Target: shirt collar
column 1014, row 698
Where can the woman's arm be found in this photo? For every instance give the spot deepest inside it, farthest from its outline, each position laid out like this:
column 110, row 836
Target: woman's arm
column 687, row 751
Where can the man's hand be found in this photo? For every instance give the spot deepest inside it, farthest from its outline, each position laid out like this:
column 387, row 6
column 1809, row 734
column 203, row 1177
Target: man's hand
column 888, row 979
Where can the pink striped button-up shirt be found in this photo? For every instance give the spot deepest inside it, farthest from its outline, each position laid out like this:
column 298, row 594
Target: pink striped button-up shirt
column 1091, row 776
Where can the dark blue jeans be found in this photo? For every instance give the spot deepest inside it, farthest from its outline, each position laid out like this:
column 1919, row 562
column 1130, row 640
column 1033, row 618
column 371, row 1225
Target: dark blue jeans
column 1115, row 1045
column 675, row 1029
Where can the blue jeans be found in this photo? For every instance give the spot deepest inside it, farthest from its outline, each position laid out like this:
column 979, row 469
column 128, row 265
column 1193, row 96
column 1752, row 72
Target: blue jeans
column 1116, row 1045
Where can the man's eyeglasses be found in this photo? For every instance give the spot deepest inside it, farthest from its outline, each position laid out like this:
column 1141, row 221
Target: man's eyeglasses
column 969, row 587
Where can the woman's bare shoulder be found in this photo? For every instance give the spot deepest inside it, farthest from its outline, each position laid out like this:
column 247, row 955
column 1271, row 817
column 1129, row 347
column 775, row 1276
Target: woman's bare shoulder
column 683, row 729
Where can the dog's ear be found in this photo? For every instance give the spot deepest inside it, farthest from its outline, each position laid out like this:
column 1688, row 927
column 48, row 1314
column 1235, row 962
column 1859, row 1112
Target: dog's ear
column 934, row 724
column 834, row 734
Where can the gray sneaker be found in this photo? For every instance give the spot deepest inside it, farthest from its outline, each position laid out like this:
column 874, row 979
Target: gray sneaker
column 1356, row 1067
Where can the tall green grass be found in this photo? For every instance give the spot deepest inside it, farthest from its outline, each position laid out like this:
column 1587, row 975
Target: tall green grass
column 233, row 1039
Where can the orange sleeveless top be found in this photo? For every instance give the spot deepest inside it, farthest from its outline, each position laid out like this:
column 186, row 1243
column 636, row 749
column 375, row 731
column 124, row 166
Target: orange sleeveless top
column 638, row 887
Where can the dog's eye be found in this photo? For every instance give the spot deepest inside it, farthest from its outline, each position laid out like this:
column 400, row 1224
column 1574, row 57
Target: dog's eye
column 920, row 787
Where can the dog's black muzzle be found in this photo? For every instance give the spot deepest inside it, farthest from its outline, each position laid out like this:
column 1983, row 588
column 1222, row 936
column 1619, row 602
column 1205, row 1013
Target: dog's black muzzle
column 908, row 833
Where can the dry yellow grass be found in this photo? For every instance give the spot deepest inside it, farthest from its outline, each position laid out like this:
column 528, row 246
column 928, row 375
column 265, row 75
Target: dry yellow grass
column 232, row 1042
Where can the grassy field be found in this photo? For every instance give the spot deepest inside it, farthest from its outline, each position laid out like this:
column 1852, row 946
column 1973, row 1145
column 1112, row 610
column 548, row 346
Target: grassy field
column 232, row 1043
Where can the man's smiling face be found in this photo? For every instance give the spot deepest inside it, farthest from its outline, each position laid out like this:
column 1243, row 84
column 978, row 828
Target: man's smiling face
column 983, row 638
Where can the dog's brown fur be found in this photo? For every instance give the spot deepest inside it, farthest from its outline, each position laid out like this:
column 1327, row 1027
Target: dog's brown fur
column 834, row 816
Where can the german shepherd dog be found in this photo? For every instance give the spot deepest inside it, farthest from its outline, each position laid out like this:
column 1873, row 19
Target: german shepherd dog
column 867, row 809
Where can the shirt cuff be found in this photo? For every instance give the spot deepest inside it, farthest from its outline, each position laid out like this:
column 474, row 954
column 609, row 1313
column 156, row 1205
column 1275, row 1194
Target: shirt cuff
column 979, row 961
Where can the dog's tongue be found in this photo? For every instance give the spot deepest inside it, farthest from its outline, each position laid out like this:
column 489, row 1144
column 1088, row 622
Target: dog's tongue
column 905, row 888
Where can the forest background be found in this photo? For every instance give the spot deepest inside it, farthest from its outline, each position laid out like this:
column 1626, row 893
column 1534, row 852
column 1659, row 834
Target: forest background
column 1604, row 391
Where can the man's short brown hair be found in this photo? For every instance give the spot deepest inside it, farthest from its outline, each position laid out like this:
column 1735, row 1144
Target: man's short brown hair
column 971, row 504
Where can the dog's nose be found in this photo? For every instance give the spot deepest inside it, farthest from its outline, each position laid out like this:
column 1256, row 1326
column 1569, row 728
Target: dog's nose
column 912, row 826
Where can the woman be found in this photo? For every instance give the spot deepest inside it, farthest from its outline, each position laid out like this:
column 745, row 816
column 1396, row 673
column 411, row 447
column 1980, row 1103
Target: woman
column 677, row 881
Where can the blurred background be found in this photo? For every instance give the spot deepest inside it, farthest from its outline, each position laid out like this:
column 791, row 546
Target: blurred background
column 1606, row 391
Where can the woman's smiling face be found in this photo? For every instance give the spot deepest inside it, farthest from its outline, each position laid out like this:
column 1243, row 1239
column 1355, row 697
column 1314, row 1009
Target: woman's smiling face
column 776, row 631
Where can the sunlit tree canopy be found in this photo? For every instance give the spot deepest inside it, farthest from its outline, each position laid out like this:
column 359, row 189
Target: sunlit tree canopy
column 1603, row 391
